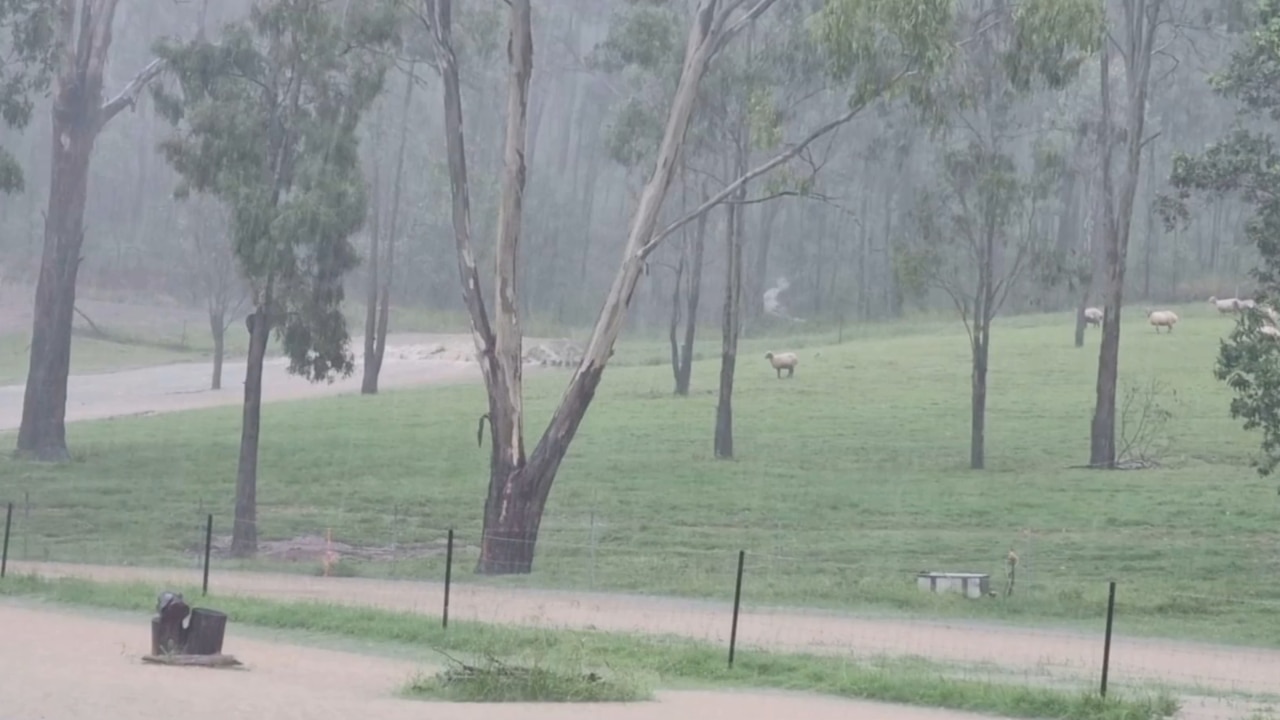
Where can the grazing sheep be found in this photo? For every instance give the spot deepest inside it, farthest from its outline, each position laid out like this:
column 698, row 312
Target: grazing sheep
column 1226, row 305
column 781, row 361
column 1162, row 318
column 1270, row 331
column 1093, row 316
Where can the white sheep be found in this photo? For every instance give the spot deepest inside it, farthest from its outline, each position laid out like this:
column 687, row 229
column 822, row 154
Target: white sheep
column 1162, row 318
column 1226, row 305
column 1270, row 331
column 1093, row 316
column 1245, row 304
column 783, row 361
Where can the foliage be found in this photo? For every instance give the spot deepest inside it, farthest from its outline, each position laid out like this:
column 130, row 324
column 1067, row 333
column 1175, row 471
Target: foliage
column 266, row 122
column 1245, row 163
column 26, row 69
column 989, row 204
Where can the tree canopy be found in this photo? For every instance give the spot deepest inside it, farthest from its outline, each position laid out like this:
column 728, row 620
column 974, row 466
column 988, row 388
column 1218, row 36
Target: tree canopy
column 266, row 121
column 25, row 71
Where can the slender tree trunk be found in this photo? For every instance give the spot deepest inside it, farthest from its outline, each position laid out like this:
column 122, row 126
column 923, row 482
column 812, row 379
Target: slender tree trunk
column 244, row 530
column 674, row 328
column 978, row 436
column 732, row 315
column 369, row 379
column 218, row 327
column 693, row 295
column 1141, row 23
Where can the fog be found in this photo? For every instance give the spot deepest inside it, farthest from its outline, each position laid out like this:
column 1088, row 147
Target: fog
column 835, row 248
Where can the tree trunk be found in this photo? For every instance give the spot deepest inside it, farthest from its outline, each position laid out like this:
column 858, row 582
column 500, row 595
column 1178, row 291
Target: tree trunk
column 1142, row 21
column 673, row 330
column 218, row 328
column 82, row 38
column 732, row 318
column 369, row 379
column 693, row 295
column 244, row 531
column 978, row 436
column 42, row 435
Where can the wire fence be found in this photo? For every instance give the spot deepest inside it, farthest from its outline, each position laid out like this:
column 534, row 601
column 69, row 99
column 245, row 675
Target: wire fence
column 1031, row 628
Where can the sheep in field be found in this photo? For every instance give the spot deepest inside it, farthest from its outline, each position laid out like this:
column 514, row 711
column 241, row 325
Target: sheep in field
column 783, row 361
column 1093, row 316
column 1270, row 331
column 1162, row 318
column 1226, row 305
column 1246, row 304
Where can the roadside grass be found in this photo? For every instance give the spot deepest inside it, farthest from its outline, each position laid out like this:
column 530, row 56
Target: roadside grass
column 91, row 355
column 634, row 664
column 850, row 478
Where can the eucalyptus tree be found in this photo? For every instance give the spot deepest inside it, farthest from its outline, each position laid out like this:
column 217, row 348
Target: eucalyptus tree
column 265, row 120
column 877, row 47
column 978, row 232
column 73, row 38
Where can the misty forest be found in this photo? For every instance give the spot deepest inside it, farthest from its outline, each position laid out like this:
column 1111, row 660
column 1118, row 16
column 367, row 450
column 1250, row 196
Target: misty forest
column 703, row 272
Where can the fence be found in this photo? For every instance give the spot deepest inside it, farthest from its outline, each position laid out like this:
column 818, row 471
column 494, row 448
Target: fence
column 753, row 603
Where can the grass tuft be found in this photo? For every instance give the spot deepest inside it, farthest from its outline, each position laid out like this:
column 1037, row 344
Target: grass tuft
column 493, row 681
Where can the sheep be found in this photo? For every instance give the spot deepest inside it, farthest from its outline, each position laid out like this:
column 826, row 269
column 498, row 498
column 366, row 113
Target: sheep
column 1162, row 318
column 781, row 361
column 1226, row 305
column 1270, row 331
column 1093, row 316
column 1245, row 304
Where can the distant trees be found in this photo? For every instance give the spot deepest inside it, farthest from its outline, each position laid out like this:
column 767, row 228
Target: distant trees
column 1246, row 163
column 266, row 120
column 73, row 38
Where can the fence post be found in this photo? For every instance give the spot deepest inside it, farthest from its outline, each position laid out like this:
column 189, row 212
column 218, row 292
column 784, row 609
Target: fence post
column 737, row 603
column 208, row 547
column 1106, row 647
column 448, row 579
column 4, row 554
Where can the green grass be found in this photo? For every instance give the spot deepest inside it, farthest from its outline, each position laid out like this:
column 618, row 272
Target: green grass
column 850, row 478
column 634, row 663
column 91, row 355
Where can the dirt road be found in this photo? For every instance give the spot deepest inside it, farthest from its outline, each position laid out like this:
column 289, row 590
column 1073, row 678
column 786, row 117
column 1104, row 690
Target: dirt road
column 62, row 666
column 411, row 360
column 1046, row 654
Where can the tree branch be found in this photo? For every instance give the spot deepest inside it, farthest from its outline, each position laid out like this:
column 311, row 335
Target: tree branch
column 128, row 97
column 759, row 170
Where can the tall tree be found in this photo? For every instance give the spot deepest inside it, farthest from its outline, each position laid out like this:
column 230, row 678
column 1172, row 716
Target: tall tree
column 988, row 197
column 81, row 37
column 1134, row 37
column 1246, row 163
column 266, row 121
column 520, row 483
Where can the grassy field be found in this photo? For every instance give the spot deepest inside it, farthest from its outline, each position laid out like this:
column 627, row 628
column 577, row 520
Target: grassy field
column 629, row 666
column 851, row 477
